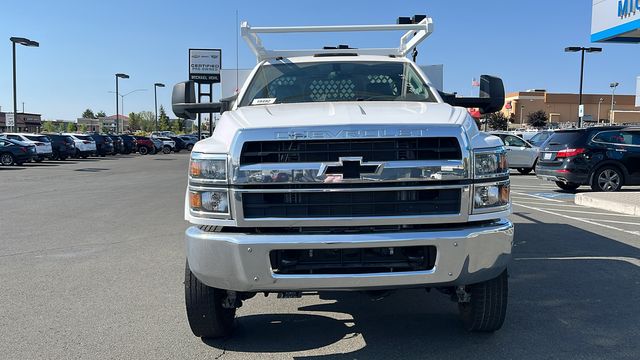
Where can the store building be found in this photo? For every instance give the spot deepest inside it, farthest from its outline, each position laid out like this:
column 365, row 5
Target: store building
column 105, row 124
column 562, row 109
column 25, row 122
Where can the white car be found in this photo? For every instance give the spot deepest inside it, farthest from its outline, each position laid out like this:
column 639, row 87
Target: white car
column 521, row 155
column 85, row 145
column 41, row 142
column 168, row 145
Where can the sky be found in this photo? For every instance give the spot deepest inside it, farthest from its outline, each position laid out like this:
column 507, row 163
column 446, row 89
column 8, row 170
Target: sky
column 84, row 43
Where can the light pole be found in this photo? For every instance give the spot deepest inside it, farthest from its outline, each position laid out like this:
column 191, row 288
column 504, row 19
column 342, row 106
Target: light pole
column 613, row 87
column 155, row 98
column 599, row 103
column 118, row 76
column 122, row 97
column 25, row 42
column 583, row 50
column 521, row 113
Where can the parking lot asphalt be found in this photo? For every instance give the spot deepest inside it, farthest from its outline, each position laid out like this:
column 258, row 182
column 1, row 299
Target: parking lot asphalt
column 92, row 265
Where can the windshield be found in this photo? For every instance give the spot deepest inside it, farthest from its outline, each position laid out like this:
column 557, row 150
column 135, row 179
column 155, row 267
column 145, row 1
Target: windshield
column 38, row 138
column 540, row 138
column 336, row 81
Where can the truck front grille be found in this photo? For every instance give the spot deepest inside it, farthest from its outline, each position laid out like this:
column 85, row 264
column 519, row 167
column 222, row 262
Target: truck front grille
column 351, row 204
column 400, row 149
column 353, row 261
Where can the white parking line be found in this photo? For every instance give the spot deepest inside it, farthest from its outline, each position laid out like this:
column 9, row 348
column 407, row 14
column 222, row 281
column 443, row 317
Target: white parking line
column 516, row 186
column 629, row 260
column 536, row 196
column 592, row 213
column 547, row 204
column 637, row 223
column 581, row 220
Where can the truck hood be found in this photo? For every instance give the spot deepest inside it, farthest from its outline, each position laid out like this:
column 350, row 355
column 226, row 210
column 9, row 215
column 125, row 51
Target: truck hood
column 356, row 114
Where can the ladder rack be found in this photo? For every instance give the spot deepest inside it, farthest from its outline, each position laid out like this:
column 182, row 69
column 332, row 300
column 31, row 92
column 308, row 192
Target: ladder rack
column 415, row 34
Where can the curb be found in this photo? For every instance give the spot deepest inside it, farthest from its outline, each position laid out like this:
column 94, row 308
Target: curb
column 589, row 200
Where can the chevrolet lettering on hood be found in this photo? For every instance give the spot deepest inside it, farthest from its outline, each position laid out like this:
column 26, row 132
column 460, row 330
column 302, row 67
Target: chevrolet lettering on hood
column 349, row 134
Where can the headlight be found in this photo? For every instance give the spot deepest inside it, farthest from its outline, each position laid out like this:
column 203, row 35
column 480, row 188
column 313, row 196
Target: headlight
column 206, row 168
column 491, row 163
column 492, row 195
column 214, row 202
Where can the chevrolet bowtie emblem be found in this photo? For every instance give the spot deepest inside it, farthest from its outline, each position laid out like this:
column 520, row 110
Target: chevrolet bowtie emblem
column 351, row 168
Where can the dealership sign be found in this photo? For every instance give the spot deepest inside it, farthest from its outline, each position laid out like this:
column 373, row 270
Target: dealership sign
column 615, row 21
column 204, row 65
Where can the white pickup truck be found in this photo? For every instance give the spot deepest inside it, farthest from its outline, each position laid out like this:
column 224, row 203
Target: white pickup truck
column 345, row 169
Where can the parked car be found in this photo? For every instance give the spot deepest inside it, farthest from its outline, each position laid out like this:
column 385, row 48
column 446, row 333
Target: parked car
column 104, row 144
column 129, row 144
column 63, row 146
column 41, row 142
column 521, row 155
column 157, row 143
column 605, row 158
column 85, row 145
column 180, row 144
column 539, row 138
column 189, row 141
column 145, row 145
column 118, row 144
column 168, row 145
column 15, row 152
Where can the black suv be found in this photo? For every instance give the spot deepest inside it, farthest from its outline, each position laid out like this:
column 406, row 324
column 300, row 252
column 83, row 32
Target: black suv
column 606, row 158
column 63, row 146
column 129, row 144
column 104, row 144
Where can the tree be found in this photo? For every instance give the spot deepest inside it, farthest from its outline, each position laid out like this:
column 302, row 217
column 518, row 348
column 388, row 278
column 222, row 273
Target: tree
column 497, row 121
column 88, row 114
column 100, row 114
column 147, row 121
column 163, row 120
column 49, row 126
column 71, row 127
column 82, row 128
column 176, row 126
column 538, row 119
column 134, row 121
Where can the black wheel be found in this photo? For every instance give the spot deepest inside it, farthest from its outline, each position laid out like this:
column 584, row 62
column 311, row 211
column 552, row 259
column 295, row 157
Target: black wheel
column 38, row 159
column 166, row 149
column 525, row 171
column 189, row 147
column 567, row 186
column 207, row 317
column 608, row 179
column 487, row 308
column 143, row 150
column 7, row 159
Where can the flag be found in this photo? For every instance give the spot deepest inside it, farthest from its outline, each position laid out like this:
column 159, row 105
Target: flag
column 475, row 83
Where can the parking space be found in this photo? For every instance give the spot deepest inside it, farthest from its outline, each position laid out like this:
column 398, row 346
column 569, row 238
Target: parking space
column 92, row 265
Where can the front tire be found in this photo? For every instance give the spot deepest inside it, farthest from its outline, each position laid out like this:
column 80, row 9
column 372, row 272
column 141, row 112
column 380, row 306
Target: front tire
column 166, row 149
column 143, row 150
column 607, row 179
column 7, row 159
column 189, row 147
column 207, row 317
column 487, row 308
column 567, row 186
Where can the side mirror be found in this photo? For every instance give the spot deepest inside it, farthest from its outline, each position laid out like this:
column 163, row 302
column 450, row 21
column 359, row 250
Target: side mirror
column 491, row 88
column 491, row 96
column 183, row 102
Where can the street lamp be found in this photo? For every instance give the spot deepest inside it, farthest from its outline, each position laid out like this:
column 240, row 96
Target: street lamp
column 118, row 76
column 613, row 87
column 25, row 42
column 583, row 50
column 122, row 97
column 599, row 103
column 521, row 113
column 155, row 97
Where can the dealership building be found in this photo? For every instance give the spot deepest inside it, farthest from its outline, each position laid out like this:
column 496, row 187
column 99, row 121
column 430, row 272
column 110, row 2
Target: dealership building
column 25, row 122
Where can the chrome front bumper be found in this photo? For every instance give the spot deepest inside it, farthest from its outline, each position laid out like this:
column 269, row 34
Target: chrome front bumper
column 240, row 262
